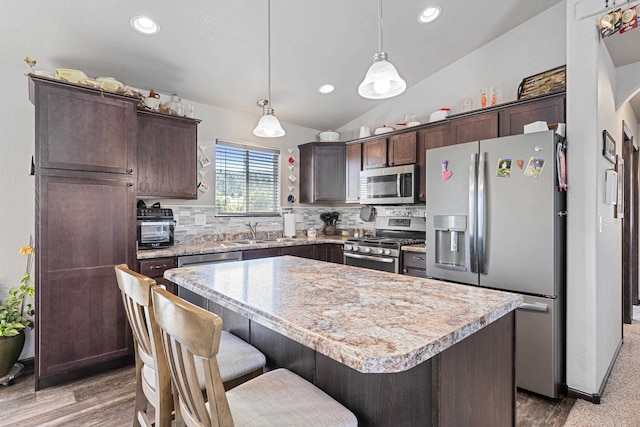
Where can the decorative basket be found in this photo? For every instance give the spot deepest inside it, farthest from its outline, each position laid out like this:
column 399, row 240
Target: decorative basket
column 551, row 81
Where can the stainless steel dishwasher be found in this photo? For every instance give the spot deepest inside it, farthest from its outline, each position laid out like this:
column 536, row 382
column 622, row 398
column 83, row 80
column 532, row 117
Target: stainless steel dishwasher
column 203, row 259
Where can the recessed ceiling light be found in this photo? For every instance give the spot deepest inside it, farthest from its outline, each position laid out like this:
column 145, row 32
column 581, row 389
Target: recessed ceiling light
column 145, row 25
column 429, row 14
column 328, row 88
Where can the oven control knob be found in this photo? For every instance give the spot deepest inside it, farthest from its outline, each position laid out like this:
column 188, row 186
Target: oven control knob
column 348, row 247
column 366, row 250
column 387, row 251
column 356, row 248
column 380, row 251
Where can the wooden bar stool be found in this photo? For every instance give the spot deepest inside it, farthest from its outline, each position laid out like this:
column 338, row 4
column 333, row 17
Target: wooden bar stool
column 241, row 360
column 276, row 398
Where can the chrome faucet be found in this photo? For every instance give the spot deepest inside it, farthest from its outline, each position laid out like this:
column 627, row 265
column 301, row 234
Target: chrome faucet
column 253, row 229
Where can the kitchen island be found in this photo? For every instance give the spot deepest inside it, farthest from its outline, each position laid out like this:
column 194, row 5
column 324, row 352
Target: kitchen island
column 396, row 350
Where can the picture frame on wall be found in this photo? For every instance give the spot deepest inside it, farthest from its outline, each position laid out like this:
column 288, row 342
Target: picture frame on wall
column 608, row 147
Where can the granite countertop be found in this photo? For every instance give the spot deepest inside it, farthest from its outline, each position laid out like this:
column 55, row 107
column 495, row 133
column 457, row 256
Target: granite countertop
column 181, row 249
column 371, row 321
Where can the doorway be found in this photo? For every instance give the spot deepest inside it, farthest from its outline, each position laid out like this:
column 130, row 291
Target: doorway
column 629, row 225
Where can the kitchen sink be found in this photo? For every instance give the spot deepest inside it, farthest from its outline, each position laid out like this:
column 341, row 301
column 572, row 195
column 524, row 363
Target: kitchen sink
column 249, row 242
column 283, row 239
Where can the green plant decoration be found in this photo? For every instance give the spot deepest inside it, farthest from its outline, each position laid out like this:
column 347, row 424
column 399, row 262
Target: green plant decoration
column 15, row 313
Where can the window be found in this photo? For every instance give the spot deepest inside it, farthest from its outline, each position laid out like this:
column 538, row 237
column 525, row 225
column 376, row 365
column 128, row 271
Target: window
column 247, row 179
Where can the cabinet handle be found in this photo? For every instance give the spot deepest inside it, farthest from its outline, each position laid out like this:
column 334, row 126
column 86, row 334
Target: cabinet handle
column 129, row 171
column 417, row 258
column 157, row 267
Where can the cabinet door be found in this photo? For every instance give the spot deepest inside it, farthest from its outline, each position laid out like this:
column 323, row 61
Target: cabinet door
column 79, row 129
column 85, row 226
column 474, row 128
column 402, row 149
column 337, row 254
column 321, row 252
column 155, row 269
column 322, row 172
column 353, row 168
column 550, row 110
column 305, row 251
column 431, row 137
column 414, row 264
column 167, row 156
column 260, row 253
column 374, row 153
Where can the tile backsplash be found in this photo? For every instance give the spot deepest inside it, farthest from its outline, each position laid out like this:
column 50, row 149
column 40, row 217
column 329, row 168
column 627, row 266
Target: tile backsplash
column 212, row 228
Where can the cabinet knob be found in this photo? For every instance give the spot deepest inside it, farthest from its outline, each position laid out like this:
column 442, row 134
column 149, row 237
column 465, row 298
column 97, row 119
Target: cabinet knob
column 129, row 184
column 129, row 171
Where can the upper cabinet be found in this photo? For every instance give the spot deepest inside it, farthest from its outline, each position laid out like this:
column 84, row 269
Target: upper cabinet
column 395, row 150
column 434, row 136
column 550, row 110
column 402, row 149
column 374, row 153
column 353, row 163
column 83, row 129
column 322, row 172
column 167, row 156
column 474, row 128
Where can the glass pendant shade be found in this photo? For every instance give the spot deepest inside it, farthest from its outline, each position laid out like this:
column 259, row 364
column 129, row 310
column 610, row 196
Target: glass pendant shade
column 268, row 126
column 382, row 79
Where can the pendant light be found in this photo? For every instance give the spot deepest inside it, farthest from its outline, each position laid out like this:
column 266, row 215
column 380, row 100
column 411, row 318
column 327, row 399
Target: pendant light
column 382, row 79
column 268, row 126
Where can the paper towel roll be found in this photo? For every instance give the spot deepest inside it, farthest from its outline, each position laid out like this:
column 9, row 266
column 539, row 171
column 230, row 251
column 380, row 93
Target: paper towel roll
column 289, row 225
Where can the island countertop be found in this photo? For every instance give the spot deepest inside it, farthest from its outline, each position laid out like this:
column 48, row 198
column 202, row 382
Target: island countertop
column 371, row 321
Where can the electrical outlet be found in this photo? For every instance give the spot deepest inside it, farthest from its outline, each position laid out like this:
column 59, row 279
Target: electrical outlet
column 201, row 219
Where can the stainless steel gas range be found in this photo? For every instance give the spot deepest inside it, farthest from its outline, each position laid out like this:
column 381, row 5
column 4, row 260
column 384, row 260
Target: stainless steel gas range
column 383, row 251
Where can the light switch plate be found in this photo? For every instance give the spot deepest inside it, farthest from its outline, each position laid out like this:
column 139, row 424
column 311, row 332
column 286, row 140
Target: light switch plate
column 201, row 219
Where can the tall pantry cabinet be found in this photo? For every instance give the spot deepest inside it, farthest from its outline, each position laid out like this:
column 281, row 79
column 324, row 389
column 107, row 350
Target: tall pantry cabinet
column 85, row 157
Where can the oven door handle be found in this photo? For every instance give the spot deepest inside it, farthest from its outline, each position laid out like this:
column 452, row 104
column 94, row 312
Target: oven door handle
column 370, row 258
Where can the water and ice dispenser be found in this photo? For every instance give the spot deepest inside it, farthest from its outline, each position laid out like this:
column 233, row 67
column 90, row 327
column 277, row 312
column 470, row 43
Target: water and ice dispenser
column 451, row 236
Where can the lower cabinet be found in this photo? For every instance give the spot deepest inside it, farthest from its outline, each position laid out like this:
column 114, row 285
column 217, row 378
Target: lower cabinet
column 260, row 253
column 414, row 264
column 155, row 269
column 306, row 251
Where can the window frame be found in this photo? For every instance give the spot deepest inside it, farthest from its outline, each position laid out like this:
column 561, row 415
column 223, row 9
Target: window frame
column 277, row 175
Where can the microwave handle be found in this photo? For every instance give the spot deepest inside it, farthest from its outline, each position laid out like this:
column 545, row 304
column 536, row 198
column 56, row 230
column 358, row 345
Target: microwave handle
column 399, row 185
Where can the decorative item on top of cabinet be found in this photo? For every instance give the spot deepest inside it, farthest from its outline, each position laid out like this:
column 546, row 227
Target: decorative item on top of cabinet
column 353, row 164
column 167, row 156
column 322, row 172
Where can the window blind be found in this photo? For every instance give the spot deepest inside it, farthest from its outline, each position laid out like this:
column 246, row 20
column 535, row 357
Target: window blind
column 247, row 179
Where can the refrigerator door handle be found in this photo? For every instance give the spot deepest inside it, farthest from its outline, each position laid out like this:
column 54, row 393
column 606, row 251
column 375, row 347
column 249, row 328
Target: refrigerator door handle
column 473, row 173
column 482, row 215
column 534, row 307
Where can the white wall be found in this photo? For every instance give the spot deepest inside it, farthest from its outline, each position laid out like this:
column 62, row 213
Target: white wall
column 17, row 187
column 533, row 47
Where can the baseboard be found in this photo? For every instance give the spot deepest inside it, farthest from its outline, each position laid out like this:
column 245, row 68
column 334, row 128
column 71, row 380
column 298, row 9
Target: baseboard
column 595, row 397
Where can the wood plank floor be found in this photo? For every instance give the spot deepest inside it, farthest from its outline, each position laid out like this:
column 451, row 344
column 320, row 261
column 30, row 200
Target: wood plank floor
column 107, row 400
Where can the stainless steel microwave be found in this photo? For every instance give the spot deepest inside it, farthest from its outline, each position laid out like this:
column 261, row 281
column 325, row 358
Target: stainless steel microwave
column 394, row 185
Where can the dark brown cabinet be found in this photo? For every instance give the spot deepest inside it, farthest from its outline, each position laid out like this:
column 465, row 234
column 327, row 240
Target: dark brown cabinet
column 353, row 153
column 77, row 129
column 330, row 252
column 473, row 128
column 414, row 264
column 305, row 251
column 432, row 137
column 374, row 153
column 402, row 149
column 550, row 110
column 155, row 269
column 85, row 224
column 167, row 156
column 322, row 172
column 261, row 253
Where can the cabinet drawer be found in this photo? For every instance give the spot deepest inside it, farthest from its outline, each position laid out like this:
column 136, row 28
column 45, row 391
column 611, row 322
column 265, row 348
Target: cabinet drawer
column 414, row 260
column 156, row 267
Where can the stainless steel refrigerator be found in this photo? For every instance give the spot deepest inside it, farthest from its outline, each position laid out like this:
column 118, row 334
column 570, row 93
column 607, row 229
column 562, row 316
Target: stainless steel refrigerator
column 496, row 219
